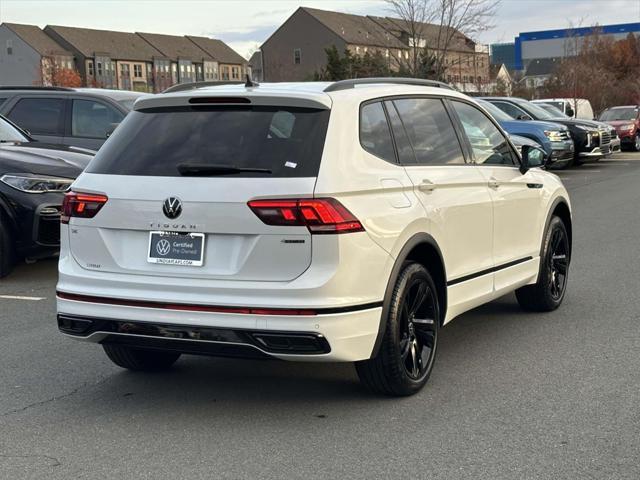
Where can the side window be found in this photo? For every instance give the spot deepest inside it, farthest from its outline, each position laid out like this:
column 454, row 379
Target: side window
column 375, row 136
column 403, row 145
column 430, row 131
column 41, row 116
column 510, row 109
column 92, row 119
column 489, row 146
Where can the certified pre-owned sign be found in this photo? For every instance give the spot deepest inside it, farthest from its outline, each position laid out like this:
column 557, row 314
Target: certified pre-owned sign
column 174, row 248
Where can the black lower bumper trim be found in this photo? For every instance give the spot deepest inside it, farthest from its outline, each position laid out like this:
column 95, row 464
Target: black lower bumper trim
column 195, row 339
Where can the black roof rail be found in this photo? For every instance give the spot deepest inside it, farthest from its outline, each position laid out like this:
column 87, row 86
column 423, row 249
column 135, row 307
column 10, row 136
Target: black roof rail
column 351, row 83
column 181, row 87
column 33, row 87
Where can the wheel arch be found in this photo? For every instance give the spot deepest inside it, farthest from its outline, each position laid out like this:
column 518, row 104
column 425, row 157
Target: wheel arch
column 560, row 208
column 7, row 213
column 421, row 248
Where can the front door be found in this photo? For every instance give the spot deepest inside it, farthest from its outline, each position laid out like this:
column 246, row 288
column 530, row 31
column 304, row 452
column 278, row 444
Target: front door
column 517, row 198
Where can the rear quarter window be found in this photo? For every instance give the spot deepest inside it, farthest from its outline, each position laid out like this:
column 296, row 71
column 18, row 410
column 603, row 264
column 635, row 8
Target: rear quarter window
column 153, row 142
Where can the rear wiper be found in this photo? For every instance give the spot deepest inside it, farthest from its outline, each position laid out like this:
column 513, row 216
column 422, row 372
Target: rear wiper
column 206, row 169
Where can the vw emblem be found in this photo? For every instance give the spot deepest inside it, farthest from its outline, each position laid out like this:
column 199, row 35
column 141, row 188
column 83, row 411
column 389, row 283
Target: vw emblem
column 172, row 207
column 163, row 247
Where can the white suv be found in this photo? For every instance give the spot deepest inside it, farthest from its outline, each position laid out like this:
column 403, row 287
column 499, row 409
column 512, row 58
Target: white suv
column 342, row 222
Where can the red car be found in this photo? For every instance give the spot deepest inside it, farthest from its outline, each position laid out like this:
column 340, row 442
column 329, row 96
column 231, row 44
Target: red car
column 626, row 121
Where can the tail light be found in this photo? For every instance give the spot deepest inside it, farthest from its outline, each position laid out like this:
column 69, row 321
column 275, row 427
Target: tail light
column 81, row 205
column 319, row 215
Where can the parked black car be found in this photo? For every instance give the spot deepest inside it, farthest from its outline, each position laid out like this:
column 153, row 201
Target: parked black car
column 82, row 117
column 33, row 179
column 592, row 142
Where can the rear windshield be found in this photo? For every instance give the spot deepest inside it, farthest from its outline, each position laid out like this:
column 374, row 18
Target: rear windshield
column 286, row 141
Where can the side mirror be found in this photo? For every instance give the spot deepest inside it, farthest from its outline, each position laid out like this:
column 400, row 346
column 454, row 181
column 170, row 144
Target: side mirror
column 110, row 129
column 523, row 117
column 532, row 157
column 570, row 112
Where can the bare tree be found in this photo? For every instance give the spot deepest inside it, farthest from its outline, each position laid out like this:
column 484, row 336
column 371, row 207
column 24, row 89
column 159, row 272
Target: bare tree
column 448, row 19
column 415, row 16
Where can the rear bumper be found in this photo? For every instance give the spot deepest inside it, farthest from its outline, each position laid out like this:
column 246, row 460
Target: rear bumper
column 345, row 336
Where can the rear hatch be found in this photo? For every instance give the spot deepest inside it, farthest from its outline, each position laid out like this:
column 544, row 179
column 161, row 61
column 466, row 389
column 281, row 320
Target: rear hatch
column 178, row 180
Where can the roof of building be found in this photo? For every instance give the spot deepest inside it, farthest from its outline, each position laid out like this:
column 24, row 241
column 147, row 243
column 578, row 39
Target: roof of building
column 355, row 29
column 541, row 67
column 429, row 32
column 174, row 47
column 37, row 39
column 118, row 45
column 218, row 50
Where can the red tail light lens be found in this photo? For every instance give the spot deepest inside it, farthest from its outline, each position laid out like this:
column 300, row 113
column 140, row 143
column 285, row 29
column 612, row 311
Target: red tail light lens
column 319, row 215
column 81, row 205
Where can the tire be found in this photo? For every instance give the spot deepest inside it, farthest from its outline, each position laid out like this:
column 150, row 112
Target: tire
column 547, row 294
column 139, row 359
column 636, row 145
column 407, row 353
column 7, row 250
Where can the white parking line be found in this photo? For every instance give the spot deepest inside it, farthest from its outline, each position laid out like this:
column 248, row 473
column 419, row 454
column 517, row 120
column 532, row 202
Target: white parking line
column 22, row 297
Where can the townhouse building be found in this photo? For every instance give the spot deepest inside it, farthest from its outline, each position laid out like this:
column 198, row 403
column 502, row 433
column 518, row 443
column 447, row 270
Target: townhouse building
column 147, row 62
column 28, row 56
column 296, row 50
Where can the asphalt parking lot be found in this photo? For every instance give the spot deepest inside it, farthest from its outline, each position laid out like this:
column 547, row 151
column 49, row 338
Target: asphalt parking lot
column 513, row 395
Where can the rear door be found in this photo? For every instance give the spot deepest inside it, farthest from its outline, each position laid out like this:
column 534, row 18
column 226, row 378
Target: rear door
column 517, row 198
column 453, row 192
column 170, row 170
column 89, row 121
column 42, row 116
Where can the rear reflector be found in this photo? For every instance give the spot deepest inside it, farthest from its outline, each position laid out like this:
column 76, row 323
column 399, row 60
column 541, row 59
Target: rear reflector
column 187, row 307
column 319, row 215
column 81, row 205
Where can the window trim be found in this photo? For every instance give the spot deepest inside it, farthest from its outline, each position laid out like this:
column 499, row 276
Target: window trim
column 514, row 150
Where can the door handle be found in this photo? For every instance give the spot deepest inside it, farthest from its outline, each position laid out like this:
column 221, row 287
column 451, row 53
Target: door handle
column 493, row 183
column 426, row 186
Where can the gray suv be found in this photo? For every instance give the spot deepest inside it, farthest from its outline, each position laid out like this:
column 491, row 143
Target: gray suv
column 82, row 117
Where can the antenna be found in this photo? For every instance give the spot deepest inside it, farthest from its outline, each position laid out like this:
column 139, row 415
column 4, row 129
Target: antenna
column 250, row 83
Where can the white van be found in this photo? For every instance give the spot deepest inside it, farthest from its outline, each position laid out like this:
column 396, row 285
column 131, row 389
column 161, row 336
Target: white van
column 571, row 107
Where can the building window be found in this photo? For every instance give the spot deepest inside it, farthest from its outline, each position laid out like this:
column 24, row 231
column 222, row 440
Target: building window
column 99, row 68
column 137, row 71
column 235, row 73
column 90, row 68
column 9, row 47
column 297, row 56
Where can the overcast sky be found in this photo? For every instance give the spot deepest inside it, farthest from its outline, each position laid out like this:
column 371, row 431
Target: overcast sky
column 245, row 24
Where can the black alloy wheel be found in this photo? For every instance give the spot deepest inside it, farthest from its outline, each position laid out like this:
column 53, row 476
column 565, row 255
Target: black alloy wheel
column 408, row 348
column 417, row 329
column 548, row 292
column 558, row 260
